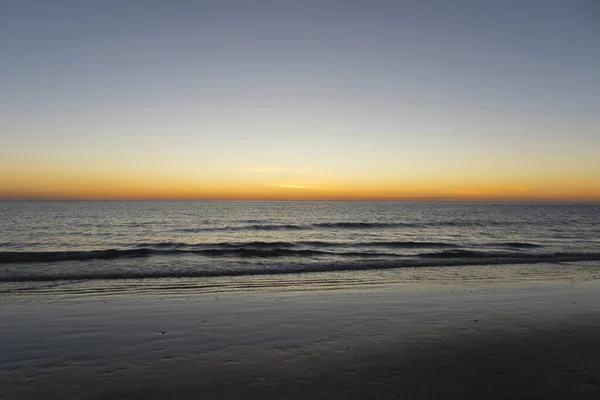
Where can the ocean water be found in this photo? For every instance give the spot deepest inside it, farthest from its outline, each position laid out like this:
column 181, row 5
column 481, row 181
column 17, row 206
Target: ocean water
column 97, row 243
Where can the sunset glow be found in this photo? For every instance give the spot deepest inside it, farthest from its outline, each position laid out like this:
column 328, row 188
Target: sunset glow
column 379, row 101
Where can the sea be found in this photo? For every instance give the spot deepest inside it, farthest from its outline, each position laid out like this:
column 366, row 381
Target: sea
column 98, row 246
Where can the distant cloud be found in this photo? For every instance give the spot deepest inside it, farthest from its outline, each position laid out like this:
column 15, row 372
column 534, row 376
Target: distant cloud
column 292, row 186
column 295, row 186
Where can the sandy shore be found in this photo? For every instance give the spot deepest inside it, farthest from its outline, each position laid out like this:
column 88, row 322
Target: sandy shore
column 530, row 340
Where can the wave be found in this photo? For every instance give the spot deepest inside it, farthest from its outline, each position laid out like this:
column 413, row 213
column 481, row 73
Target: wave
column 520, row 245
column 371, row 225
column 408, row 244
column 54, row 256
column 460, row 253
column 452, row 259
column 511, row 257
column 464, row 254
column 263, row 249
column 312, row 243
column 375, row 225
column 252, row 227
column 242, row 252
column 256, row 244
column 273, row 249
column 341, row 225
column 282, row 227
column 361, row 225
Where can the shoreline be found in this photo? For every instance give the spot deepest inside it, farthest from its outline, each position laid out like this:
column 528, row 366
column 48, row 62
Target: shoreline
column 413, row 278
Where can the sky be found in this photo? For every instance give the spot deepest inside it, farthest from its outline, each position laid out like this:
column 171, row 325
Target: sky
column 300, row 100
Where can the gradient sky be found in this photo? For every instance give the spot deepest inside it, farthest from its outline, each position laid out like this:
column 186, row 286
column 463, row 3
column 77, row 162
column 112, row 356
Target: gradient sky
column 465, row 100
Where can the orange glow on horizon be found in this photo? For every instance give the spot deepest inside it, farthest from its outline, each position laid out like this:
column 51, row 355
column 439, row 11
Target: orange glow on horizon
column 98, row 187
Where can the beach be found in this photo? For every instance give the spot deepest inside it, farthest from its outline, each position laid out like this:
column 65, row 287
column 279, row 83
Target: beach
column 467, row 338
column 284, row 200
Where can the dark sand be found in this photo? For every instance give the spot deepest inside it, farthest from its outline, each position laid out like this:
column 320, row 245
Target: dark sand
column 553, row 362
column 477, row 342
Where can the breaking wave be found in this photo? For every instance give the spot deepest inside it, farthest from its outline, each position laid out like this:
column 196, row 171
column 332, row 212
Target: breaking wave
column 266, row 249
column 451, row 258
column 341, row 225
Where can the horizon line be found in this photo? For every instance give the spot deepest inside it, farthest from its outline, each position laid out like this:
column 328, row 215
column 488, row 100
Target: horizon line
column 372, row 200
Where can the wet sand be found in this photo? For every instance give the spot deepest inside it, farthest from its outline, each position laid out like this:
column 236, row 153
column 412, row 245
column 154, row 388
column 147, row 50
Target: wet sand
column 532, row 340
